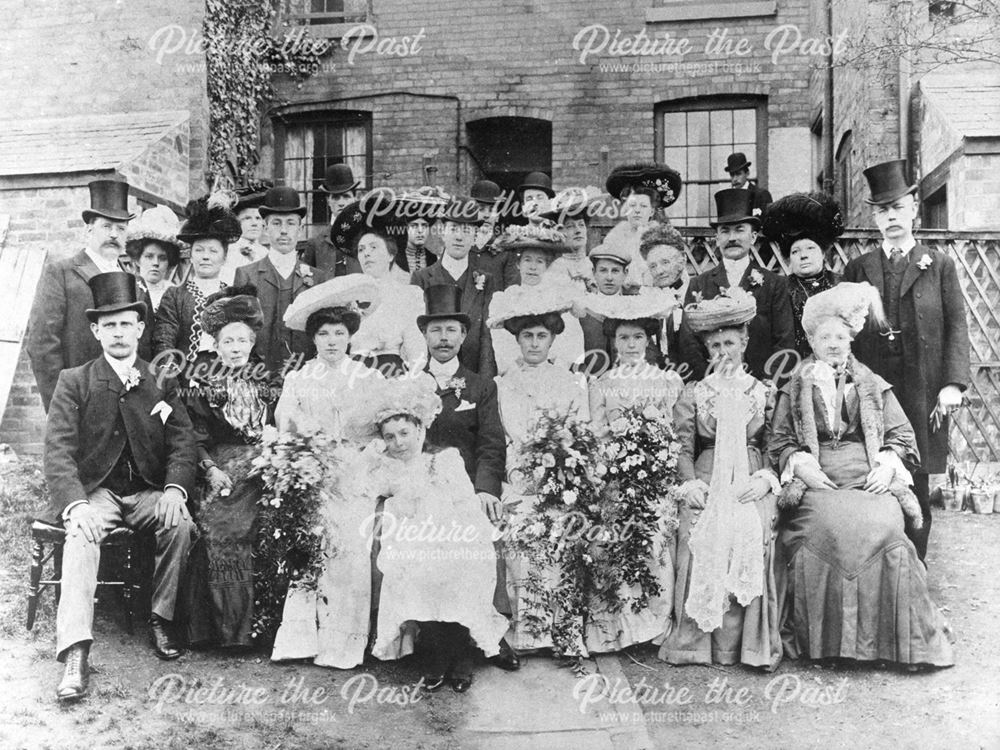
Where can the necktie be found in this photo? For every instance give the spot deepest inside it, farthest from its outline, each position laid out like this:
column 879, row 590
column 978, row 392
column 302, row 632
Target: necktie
column 896, row 257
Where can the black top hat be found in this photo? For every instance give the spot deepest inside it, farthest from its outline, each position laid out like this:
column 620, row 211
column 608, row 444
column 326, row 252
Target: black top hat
column 339, row 179
column 108, row 198
column 251, row 195
column 379, row 211
column 887, row 182
column 114, row 292
column 282, row 200
column 461, row 211
column 486, row 192
column 737, row 162
column 666, row 181
column 537, row 181
column 444, row 302
column 734, row 206
column 208, row 218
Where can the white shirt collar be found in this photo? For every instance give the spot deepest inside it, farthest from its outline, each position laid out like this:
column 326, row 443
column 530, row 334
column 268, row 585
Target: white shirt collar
column 103, row 265
column 905, row 247
column 443, row 371
column 745, row 185
column 735, row 269
column 121, row 366
column 284, row 263
column 453, row 266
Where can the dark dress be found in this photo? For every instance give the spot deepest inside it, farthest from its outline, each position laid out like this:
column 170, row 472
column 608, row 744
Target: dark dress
column 800, row 289
column 228, row 412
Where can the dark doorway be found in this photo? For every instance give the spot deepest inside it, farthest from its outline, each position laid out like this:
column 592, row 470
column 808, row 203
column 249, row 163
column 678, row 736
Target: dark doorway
column 505, row 149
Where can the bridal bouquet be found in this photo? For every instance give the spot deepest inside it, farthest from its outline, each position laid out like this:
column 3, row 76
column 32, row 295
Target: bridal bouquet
column 291, row 545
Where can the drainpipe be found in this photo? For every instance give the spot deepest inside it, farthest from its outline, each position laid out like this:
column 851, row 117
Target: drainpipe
column 828, row 181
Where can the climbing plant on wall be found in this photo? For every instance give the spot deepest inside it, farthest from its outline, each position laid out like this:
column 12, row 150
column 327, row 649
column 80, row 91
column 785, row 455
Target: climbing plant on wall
column 242, row 56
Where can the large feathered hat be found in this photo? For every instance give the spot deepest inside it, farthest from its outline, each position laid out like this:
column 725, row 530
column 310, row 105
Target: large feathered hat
column 666, row 181
column 412, row 397
column 734, row 306
column 211, row 217
column 814, row 216
column 235, row 304
column 848, row 302
column 545, row 236
column 157, row 224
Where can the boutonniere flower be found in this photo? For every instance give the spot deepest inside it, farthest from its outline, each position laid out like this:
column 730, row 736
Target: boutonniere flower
column 456, row 384
column 306, row 274
column 132, row 379
column 479, row 279
column 925, row 262
column 755, row 212
column 756, row 277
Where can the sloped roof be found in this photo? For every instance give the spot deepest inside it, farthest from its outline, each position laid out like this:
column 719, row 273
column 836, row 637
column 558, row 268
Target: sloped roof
column 969, row 103
column 81, row 143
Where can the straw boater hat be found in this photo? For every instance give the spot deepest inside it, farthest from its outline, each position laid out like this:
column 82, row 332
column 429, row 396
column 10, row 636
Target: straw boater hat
column 512, row 308
column 341, row 291
column 235, row 304
column 812, row 216
column 733, row 307
column 647, row 308
column 847, row 302
column 664, row 180
column 157, row 224
column 211, row 217
column 413, row 397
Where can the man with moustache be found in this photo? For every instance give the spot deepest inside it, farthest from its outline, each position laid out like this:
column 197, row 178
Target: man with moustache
column 119, row 449
column 59, row 335
column 739, row 177
column 478, row 275
column 925, row 353
column 279, row 278
column 322, row 252
column 469, row 419
column 773, row 329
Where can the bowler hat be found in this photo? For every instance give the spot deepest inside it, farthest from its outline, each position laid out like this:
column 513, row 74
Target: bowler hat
column 461, row 211
column 735, row 206
column 486, row 192
column 887, row 182
column 443, row 302
column 537, row 181
column 737, row 162
column 282, row 200
column 108, row 198
column 339, row 179
column 114, row 292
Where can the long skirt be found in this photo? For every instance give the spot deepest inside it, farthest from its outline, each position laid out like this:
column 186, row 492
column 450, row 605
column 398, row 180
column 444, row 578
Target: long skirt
column 220, row 572
column 853, row 585
column 748, row 634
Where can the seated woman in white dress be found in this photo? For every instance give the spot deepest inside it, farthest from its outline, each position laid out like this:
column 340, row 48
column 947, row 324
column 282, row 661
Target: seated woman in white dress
column 331, row 624
column 437, row 584
column 536, row 253
column 725, row 606
column 535, row 385
column 630, row 322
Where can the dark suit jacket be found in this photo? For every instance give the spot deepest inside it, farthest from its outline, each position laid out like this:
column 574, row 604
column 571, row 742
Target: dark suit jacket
column 83, row 441
column 321, row 252
column 477, row 349
column 773, row 330
column 935, row 338
column 262, row 274
column 59, row 334
column 761, row 197
column 477, row 433
column 503, row 260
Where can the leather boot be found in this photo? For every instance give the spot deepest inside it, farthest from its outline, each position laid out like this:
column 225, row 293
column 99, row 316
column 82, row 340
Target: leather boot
column 76, row 673
column 164, row 645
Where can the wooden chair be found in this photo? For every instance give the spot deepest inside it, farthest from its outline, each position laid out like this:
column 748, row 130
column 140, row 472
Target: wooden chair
column 47, row 544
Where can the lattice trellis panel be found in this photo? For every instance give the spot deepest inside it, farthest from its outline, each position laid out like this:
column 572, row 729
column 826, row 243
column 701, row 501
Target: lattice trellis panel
column 975, row 430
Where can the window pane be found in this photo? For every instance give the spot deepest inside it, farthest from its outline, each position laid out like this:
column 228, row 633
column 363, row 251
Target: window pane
column 722, row 126
column 677, row 158
column 698, row 132
column 674, row 129
column 699, row 166
column 745, row 124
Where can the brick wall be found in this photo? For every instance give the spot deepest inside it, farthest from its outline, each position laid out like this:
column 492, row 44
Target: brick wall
column 518, row 59
column 974, row 192
column 23, row 423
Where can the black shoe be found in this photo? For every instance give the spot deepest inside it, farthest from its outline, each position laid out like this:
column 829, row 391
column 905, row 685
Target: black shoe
column 461, row 684
column 507, row 658
column 164, row 645
column 433, row 683
column 76, row 675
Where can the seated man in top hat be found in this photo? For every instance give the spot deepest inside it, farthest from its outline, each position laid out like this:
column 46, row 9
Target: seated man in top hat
column 925, row 353
column 739, row 177
column 279, row 278
column 58, row 335
column 478, row 275
column 119, row 448
column 321, row 251
column 772, row 331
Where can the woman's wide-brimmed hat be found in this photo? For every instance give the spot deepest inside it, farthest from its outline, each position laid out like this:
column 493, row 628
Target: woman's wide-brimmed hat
column 545, row 236
column 813, row 216
column 412, row 397
column 348, row 291
column 235, row 304
column 211, row 217
column 157, row 224
column 423, row 203
column 114, row 292
column 573, row 203
column 848, row 302
column 378, row 211
column 733, row 307
column 251, row 195
column 666, row 181
column 521, row 301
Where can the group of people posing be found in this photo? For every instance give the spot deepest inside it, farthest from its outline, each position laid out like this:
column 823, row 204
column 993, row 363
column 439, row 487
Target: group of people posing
column 808, row 410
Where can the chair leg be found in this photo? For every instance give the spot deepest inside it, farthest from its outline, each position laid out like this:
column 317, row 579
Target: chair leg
column 128, row 589
column 35, row 575
column 57, row 557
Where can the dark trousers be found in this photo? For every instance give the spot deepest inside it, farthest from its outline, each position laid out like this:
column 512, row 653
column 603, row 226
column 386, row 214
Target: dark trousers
column 448, row 649
column 919, row 537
